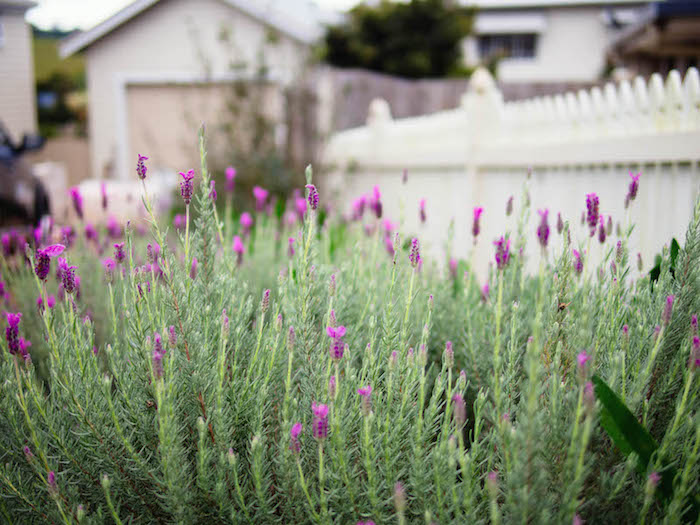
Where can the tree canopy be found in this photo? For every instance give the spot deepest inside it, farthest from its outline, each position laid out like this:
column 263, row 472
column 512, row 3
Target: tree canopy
column 421, row 38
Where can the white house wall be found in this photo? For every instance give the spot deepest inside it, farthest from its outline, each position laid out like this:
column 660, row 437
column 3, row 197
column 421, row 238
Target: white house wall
column 174, row 41
column 17, row 98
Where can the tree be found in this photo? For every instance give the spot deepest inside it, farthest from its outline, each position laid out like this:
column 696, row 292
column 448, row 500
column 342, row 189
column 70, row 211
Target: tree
column 421, row 38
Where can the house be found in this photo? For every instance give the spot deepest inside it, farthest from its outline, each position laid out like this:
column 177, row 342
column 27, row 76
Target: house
column 667, row 38
column 17, row 99
column 549, row 41
column 157, row 69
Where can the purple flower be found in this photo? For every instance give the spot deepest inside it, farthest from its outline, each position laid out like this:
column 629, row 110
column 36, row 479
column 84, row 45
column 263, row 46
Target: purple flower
column 592, row 211
column 543, row 228
column 654, row 479
column 485, row 293
column 230, row 179
column 632, row 189
column 492, row 481
column 158, row 343
column 313, row 197
column 193, row 269
column 172, row 336
column 290, row 247
column 113, row 228
column 694, row 324
column 77, row 200
column 119, row 254
column 141, row 167
column 475, row 222
column 502, row 252
column 12, row 332
column 28, row 453
column 414, row 255
column 577, row 520
column 365, row 393
column 399, row 497
column 358, row 207
column 109, row 266
column 212, row 190
column 337, row 346
column 626, row 331
column 694, row 361
column 421, row 211
column 601, row 230
column 51, row 482
column 67, row 276
column 43, row 259
column 260, row 195
column 294, row 432
column 449, row 355
column 609, row 226
column 320, row 422
column 582, row 359
column 103, row 190
column 375, row 202
column 460, row 410
column 265, row 302
column 238, row 248
column 246, row 222
column 186, row 186
column 509, row 206
column 453, row 267
column 90, row 232
column 668, row 310
column 157, row 359
column 179, row 221
column 560, row 223
column 578, row 262
column 152, row 252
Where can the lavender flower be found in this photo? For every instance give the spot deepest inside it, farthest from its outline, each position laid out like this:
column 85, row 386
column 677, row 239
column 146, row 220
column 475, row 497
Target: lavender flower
column 475, row 222
column 578, row 262
column 313, row 197
column 502, row 252
column 492, row 481
column 152, row 252
column 141, row 167
column 337, row 346
column 414, row 255
column 179, row 221
column 589, row 396
column 246, row 221
column 28, row 453
column 449, row 355
column 265, row 302
column 77, row 201
column 193, row 268
column 560, row 223
column 639, row 262
column 113, row 228
column 332, row 387
column 609, row 226
column 358, row 207
column 294, row 433
column 119, row 254
column 260, row 195
column 157, row 359
column 186, row 186
column 460, row 410
column 43, row 259
column 320, row 422
column 601, row 230
column 592, row 211
column 238, row 249
column 632, row 189
column 619, row 252
column 230, row 179
column 694, row 360
column 485, row 293
column 365, row 393
column 399, row 497
column 12, row 332
column 212, row 190
column 158, row 343
column 91, row 233
column 694, row 324
column 421, row 211
column 109, row 266
column 543, row 228
column 653, row 481
column 668, row 310
column 582, row 359
column 509, row 206
column 67, row 276
column 103, row 191
column 51, row 482
column 375, row 202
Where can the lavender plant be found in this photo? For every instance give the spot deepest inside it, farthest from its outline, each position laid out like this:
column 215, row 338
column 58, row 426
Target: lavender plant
column 308, row 372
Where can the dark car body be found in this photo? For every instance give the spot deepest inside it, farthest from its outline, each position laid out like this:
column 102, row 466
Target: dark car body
column 23, row 198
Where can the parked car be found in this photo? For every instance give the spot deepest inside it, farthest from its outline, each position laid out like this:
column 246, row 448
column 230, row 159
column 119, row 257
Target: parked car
column 23, row 198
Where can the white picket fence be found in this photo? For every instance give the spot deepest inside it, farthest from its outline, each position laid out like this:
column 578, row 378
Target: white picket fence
column 574, row 143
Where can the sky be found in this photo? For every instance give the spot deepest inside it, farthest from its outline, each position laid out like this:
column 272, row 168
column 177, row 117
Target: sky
column 83, row 14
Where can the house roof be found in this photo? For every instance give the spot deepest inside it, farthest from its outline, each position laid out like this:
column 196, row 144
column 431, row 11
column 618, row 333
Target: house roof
column 519, row 4
column 302, row 20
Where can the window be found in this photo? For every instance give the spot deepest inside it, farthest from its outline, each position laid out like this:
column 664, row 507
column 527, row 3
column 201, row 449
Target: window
column 507, row 46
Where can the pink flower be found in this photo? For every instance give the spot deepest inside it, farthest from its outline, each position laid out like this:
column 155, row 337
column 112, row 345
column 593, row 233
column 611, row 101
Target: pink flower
column 246, row 222
column 260, row 195
column 294, row 432
column 230, row 179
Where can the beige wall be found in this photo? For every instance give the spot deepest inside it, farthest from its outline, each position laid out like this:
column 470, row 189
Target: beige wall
column 17, row 96
column 176, row 40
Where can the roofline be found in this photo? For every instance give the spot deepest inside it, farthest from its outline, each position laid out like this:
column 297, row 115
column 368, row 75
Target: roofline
column 502, row 5
column 76, row 43
column 21, row 6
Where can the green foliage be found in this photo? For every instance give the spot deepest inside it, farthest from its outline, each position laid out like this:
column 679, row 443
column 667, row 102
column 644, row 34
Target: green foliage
column 420, row 38
column 208, row 439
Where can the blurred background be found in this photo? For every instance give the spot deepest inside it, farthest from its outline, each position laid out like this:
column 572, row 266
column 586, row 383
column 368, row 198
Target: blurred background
column 473, row 93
